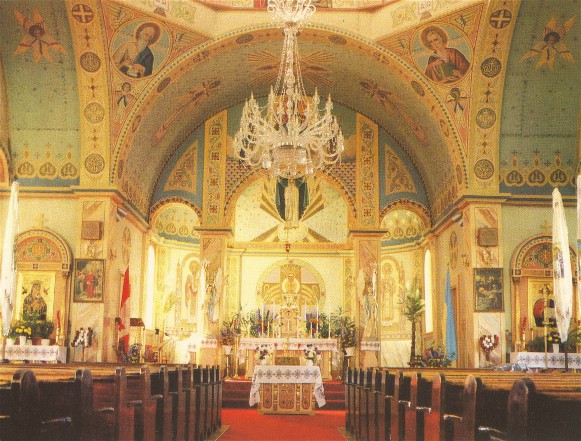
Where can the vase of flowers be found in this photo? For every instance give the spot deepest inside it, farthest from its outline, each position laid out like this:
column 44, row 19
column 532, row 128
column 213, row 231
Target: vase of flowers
column 262, row 353
column 436, row 357
column 488, row 343
column 311, row 354
column 21, row 331
column 554, row 339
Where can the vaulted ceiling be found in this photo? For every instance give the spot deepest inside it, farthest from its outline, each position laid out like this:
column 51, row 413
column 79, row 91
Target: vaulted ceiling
column 210, row 57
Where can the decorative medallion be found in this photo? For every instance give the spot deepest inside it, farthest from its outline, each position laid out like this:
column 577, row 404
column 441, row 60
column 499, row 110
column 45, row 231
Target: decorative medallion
column 418, row 88
column 94, row 163
column 485, row 118
column 491, row 67
column 246, row 38
column 90, row 61
column 484, row 169
column 337, row 39
column 500, row 19
column 82, row 13
column 94, row 112
column 163, row 84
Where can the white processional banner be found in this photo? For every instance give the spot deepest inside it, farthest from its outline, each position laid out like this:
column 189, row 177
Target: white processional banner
column 8, row 270
column 562, row 276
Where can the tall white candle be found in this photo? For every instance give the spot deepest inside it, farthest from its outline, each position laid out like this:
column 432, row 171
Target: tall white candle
column 329, row 319
column 317, row 310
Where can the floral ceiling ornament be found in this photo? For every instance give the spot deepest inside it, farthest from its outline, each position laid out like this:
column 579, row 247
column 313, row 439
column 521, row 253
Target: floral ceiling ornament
column 293, row 137
column 36, row 37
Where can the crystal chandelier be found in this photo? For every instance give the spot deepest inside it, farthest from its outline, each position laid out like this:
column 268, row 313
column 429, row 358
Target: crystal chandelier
column 293, row 137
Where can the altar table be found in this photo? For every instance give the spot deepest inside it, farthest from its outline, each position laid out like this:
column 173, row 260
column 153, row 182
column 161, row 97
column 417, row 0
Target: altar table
column 289, row 347
column 53, row 354
column 533, row 360
column 287, row 389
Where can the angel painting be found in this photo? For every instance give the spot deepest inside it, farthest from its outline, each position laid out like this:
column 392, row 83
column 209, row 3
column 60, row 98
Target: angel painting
column 552, row 45
column 36, row 37
column 367, row 295
column 213, row 293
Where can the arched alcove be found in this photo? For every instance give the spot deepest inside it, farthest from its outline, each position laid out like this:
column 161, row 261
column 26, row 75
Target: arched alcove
column 532, row 279
column 43, row 259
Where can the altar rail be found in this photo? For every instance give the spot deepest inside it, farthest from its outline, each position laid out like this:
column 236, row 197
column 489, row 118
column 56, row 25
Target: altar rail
column 109, row 402
column 462, row 404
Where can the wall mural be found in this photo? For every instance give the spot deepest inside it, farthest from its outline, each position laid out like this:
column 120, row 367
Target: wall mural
column 552, row 47
column 36, row 38
column 442, row 53
column 536, row 174
column 269, row 210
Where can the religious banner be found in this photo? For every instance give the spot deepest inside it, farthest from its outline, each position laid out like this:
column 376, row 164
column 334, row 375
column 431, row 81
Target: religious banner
column 8, row 274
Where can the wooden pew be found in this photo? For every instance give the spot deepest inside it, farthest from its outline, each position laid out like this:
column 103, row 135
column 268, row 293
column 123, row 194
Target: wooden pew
column 347, row 383
column 179, row 394
column 464, row 425
column 434, row 414
column 56, row 408
column 394, row 423
column 410, row 412
column 381, row 380
column 164, row 414
column 367, row 405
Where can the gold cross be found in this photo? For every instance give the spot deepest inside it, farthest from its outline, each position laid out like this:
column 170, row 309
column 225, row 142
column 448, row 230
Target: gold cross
column 546, row 228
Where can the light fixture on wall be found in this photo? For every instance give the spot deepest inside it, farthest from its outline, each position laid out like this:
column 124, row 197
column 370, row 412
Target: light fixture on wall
column 293, row 138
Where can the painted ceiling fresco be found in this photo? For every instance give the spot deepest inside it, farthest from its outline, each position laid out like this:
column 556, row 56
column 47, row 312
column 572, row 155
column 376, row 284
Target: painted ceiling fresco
column 474, row 97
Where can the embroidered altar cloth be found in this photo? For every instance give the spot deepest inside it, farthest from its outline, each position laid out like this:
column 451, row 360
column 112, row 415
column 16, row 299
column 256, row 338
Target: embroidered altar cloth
column 287, row 374
column 55, row 354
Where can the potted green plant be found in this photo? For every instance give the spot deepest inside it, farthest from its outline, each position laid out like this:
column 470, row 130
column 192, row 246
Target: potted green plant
column 344, row 329
column 43, row 329
column 228, row 333
column 413, row 306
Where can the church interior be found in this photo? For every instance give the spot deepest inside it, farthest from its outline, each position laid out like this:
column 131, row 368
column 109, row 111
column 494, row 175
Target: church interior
column 146, row 232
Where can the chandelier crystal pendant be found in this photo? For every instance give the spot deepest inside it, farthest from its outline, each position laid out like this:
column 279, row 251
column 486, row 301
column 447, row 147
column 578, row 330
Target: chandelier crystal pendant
column 291, row 137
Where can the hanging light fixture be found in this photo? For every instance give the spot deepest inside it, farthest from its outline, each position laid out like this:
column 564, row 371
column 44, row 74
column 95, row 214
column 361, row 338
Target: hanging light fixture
column 293, row 137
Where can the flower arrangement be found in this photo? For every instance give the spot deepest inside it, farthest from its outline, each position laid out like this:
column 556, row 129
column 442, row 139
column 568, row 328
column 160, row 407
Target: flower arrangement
column 42, row 328
column 263, row 351
column 344, row 329
column 21, row 329
column 311, row 353
column 488, row 343
column 554, row 337
column 436, row 357
column 230, row 329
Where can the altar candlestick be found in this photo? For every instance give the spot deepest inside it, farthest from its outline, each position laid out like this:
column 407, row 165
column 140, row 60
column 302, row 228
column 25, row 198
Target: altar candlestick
column 317, row 328
column 329, row 320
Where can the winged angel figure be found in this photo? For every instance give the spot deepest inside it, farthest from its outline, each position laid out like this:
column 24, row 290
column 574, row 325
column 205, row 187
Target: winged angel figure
column 214, row 292
column 552, row 45
column 36, row 38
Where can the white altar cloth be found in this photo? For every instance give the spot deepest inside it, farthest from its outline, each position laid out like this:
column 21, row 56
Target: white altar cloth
column 55, row 354
column 291, row 344
column 287, row 374
column 534, row 360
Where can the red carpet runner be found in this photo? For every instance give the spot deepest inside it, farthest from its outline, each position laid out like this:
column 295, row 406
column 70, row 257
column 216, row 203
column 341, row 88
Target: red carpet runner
column 249, row 425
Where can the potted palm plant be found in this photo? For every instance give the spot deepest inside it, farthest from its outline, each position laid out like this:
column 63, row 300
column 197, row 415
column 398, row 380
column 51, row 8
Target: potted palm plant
column 344, row 329
column 413, row 306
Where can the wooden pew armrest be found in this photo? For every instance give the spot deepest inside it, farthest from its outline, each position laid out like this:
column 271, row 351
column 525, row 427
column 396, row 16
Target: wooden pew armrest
column 453, row 418
column 424, row 409
column 105, row 410
column 492, row 431
column 405, row 403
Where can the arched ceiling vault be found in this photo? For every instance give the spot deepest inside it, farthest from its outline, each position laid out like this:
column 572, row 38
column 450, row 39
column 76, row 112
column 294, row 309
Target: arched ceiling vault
column 358, row 74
